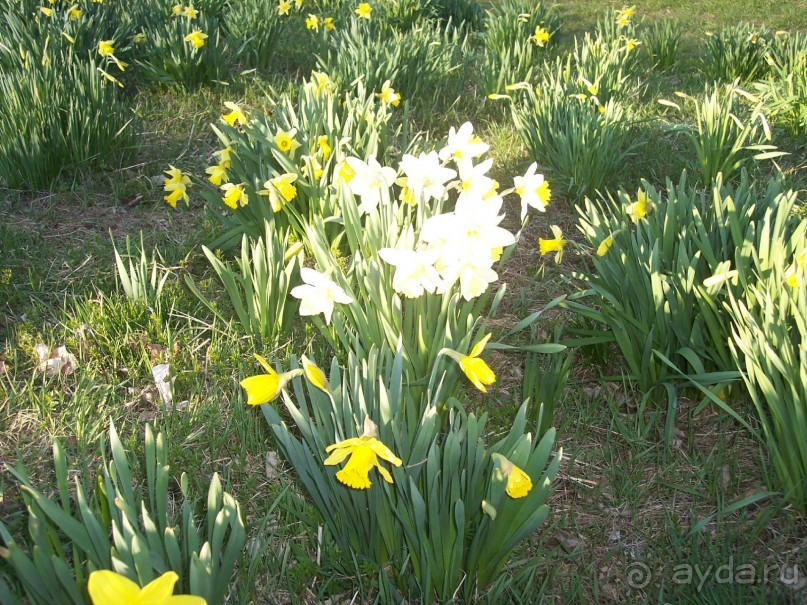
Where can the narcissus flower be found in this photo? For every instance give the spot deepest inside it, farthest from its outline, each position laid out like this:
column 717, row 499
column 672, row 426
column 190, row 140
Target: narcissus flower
column 623, row 17
column 795, row 273
column 414, row 271
column 265, row 387
column 176, row 186
column 630, row 44
column 540, row 37
column 328, row 24
column 196, row 38
column 105, row 48
column 533, row 190
column 320, row 82
column 109, row 588
column 474, row 367
column 235, row 114
column 191, row 13
column 363, row 11
column 556, row 244
column 519, row 483
column 234, row 195
column 315, row 375
column 283, row 7
column 177, row 10
column 75, row 13
column 370, row 181
column 318, row 294
column 48, row 12
column 139, row 38
column 463, row 145
column 364, row 453
column 224, row 155
column 605, row 244
column 425, row 176
column 280, row 190
column 312, row 22
column 640, row 208
column 217, row 174
column 322, row 145
column 388, row 95
column 285, row 140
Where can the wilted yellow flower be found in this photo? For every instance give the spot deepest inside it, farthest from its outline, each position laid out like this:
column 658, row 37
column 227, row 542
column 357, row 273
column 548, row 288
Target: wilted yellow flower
column 640, row 208
column 48, row 12
column 280, row 190
column 363, row 11
column 106, row 75
column 108, row 587
column 556, row 244
column 74, row 12
column 70, row 39
column 235, row 115
column 540, row 37
column 605, row 245
column 315, row 375
column 265, row 387
column 283, row 7
column 196, row 38
column 234, row 195
column 328, row 24
column 474, row 367
column 388, row 95
column 312, row 22
column 285, row 140
column 364, row 453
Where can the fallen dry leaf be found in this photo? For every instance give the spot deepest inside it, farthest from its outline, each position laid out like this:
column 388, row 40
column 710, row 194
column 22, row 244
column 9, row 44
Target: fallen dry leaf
column 57, row 361
column 163, row 381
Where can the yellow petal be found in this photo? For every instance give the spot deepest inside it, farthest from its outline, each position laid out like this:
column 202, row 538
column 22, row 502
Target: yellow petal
column 518, row 483
column 314, row 375
column 159, row 590
column 478, row 372
column 480, row 346
column 261, row 389
column 269, row 369
column 106, row 587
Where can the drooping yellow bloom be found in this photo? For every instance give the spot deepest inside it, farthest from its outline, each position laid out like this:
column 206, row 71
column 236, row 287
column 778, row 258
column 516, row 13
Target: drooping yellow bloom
column 363, row 11
column 105, row 48
column 74, row 12
column 519, row 483
column 234, row 195
column 265, row 387
column 110, row 588
column 285, row 140
column 217, row 173
column 474, row 367
column 327, row 22
column 388, row 95
column 322, row 145
column 540, row 37
column 364, row 453
column 196, row 38
column 640, row 208
column 106, row 75
column 225, row 161
column 315, row 375
column 312, row 22
column 235, row 115
column 176, row 186
column 555, row 244
column 280, row 190
column 605, row 244
column 283, row 7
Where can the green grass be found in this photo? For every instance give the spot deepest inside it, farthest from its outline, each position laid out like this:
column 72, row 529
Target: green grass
column 620, row 499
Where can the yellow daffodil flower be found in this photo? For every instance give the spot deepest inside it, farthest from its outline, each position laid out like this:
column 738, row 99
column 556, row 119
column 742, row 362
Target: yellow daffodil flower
column 217, row 174
column 298, row 4
column 474, row 367
column 191, row 13
column 540, row 37
column 176, row 186
column 312, row 22
column 139, row 38
column 235, row 115
column 328, row 24
column 555, row 244
column 519, row 483
column 322, row 145
column 177, row 10
column 623, row 17
column 605, row 245
column 364, row 453
column 363, row 11
column 224, row 154
column 285, row 140
column 74, row 12
column 108, row 587
column 640, row 208
column 344, row 173
column 388, row 95
column 196, row 38
column 795, row 273
column 48, row 12
column 69, row 38
column 234, row 195
column 311, row 167
column 265, row 387
column 105, row 48
column 315, row 375
column 280, row 190
column 283, row 7
column 320, row 82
